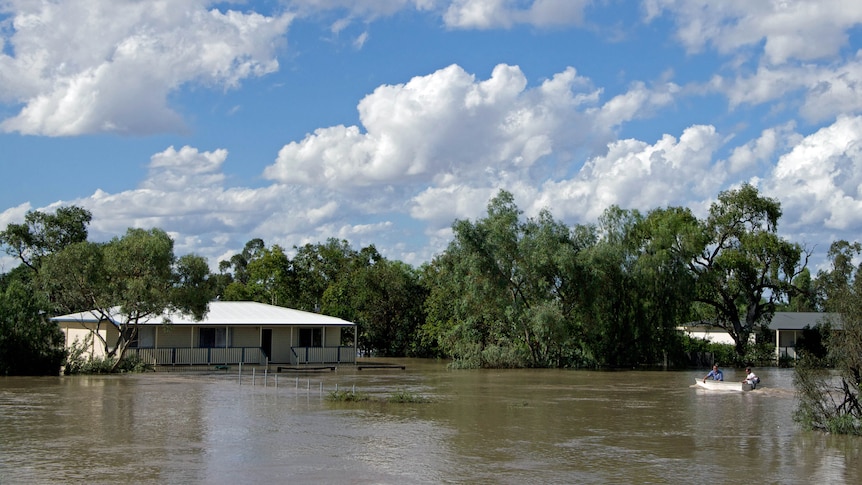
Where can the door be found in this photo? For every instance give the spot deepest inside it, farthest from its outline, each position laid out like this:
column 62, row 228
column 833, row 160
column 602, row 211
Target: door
column 266, row 342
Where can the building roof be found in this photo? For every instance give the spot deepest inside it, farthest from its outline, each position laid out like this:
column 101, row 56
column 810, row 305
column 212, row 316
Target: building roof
column 234, row 313
column 780, row 321
column 799, row 320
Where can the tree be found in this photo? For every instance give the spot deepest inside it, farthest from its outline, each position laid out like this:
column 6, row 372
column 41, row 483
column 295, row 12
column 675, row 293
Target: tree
column 44, row 233
column 832, row 400
column 643, row 287
column 315, row 267
column 506, row 292
column 127, row 281
column 259, row 274
column 30, row 344
column 744, row 267
column 385, row 299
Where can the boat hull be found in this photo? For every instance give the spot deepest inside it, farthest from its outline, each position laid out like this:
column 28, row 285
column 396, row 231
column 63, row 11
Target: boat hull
column 722, row 385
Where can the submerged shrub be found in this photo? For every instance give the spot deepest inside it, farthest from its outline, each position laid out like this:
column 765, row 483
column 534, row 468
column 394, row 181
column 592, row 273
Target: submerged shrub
column 405, row 396
column 347, row 396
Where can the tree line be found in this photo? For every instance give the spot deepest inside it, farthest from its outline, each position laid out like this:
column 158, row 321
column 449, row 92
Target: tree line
column 508, row 291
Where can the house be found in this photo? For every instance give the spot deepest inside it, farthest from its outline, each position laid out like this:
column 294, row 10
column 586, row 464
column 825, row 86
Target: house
column 787, row 326
column 232, row 332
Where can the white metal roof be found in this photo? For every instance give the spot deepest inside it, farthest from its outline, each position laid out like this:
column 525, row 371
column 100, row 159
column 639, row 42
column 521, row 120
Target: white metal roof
column 234, row 313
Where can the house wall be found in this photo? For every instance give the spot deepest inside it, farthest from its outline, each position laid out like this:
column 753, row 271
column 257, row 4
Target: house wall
column 171, row 336
column 245, row 337
column 715, row 336
column 78, row 332
column 787, row 338
column 332, row 337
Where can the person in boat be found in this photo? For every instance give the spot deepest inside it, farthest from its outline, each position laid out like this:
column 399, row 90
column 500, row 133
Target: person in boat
column 751, row 378
column 715, row 374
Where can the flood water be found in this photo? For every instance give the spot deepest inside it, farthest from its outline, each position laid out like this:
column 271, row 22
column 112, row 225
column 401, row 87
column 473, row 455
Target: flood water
column 479, row 426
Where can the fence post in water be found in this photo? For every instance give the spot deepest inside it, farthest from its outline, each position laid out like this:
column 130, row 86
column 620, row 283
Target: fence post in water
column 253, row 377
column 239, row 376
column 265, row 373
column 276, row 381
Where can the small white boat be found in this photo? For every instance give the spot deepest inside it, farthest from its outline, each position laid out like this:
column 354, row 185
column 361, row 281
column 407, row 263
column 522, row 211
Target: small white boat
column 722, row 385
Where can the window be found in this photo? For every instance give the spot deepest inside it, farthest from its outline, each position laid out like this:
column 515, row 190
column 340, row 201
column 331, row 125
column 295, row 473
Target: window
column 212, row 337
column 310, row 337
column 144, row 337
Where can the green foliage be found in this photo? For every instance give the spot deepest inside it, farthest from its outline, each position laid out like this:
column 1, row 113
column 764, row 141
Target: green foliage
column 506, row 292
column 30, row 344
column 723, row 354
column 743, row 267
column 404, row 396
column 137, row 273
column 78, row 361
column 43, row 233
column 831, row 400
column 347, row 396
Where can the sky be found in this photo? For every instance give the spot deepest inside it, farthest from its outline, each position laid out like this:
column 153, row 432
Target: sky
column 383, row 121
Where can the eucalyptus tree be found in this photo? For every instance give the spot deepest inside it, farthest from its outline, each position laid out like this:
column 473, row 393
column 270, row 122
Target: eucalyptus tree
column 317, row 266
column 506, row 292
column 385, row 299
column 126, row 281
column 744, row 268
column 258, row 274
column 43, row 233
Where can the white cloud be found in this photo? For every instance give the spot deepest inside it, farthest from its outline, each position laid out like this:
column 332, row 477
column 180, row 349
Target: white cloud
column 443, row 126
column 787, row 30
column 185, row 169
column 488, row 14
column 109, row 65
column 819, row 181
column 636, row 175
column 759, row 153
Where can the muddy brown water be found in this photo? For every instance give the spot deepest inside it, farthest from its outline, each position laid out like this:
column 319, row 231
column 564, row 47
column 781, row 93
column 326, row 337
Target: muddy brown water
column 479, row 426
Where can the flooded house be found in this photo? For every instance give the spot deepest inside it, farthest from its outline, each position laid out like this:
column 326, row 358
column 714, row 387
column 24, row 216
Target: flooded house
column 232, row 332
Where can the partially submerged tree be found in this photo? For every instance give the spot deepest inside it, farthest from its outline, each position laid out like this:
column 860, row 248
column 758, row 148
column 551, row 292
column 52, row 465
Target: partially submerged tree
column 29, row 342
column 831, row 400
column 506, row 292
column 126, row 281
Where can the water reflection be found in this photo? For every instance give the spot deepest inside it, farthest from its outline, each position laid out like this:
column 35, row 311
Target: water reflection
column 482, row 426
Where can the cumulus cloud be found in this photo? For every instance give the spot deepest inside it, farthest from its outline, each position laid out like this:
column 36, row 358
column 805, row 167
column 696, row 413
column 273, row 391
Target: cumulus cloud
column 786, row 30
column 109, row 65
column 184, row 169
column 449, row 126
column 634, row 174
column 819, row 181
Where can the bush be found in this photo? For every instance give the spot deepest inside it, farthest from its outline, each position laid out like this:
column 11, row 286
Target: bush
column 347, row 396
column 405, row 396
column 78, row 362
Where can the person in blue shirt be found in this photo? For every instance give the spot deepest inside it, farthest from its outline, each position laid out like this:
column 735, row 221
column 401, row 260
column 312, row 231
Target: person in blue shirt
column 715, row 374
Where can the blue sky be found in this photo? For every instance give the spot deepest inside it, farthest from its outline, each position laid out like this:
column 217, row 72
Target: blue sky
column 383, row 121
